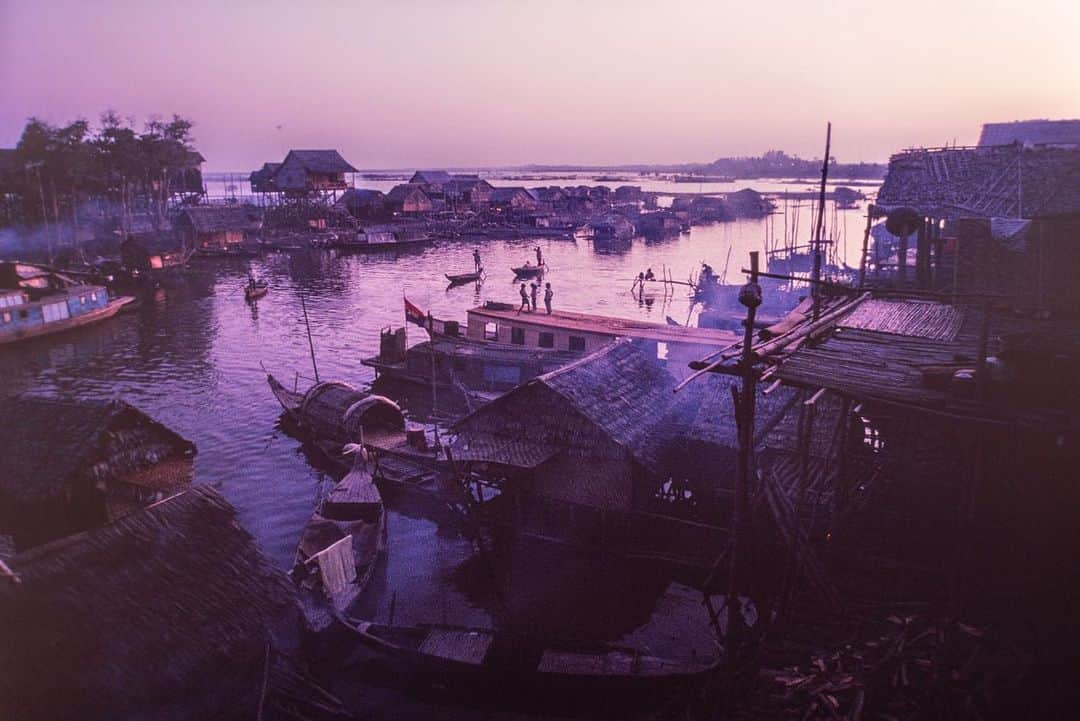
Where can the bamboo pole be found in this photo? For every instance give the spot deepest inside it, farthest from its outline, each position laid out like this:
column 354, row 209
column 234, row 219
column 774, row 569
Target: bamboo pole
column 815, row 274
column 744, row 413
column 865, row 249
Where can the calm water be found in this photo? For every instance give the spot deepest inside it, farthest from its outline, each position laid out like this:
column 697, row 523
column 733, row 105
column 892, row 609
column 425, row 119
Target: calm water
column 191, row 358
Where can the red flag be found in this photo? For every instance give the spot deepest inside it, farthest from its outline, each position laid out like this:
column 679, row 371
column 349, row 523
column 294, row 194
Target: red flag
column 415, row 315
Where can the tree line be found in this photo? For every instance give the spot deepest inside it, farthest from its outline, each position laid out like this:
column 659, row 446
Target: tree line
column 65, row 176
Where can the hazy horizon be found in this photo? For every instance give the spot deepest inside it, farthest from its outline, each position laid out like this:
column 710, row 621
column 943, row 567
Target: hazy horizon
column 484, row 84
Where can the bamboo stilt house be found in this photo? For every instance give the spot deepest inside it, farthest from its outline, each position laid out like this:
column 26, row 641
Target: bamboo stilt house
column 70, row 466
column 172, row 612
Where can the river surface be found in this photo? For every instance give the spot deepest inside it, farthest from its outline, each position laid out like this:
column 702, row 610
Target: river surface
column 190, row 356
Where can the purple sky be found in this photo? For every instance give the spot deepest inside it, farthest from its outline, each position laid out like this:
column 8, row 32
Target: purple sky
column 415, row 83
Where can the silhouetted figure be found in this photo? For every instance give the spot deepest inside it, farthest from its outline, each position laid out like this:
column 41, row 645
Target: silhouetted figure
column 548, row 293
column 539, row 256
column 649, row 275
column 524, row 299
column 476, row 258
column 532, row 294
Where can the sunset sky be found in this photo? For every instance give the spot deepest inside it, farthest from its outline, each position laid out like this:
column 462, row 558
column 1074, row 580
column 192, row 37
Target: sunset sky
column 473, row 83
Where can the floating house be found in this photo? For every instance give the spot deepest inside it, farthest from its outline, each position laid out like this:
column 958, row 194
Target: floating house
column 513, row 199
column 602, row 453
column 72, row 465
column 409, row 199
column 219, row 228
column 312, row 171
column 468, row 190
column 747, row 203
column 364, row 204
column 171, row 612
column 138, row 256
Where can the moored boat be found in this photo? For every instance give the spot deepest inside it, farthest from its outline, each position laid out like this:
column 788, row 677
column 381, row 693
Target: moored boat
column 527, row 668
column 55, row 311
column 341, row 545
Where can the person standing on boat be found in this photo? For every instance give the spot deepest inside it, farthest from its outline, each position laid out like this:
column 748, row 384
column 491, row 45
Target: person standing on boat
column 524, row 299
column 539, row 256
column 548, row 293
column 476, row 258
column 533, row 290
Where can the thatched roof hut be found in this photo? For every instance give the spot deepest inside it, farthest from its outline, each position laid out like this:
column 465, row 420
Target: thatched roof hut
column 169, row 613
column 72, row 465
column 587, row 433
column 608, row 431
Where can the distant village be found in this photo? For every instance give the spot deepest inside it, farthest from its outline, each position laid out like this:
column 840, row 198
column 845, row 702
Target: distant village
column 71, row 196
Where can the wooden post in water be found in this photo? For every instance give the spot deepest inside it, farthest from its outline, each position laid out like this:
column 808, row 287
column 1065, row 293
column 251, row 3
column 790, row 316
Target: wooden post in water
column 311, row 345
column 815, row 275
column 865, row 246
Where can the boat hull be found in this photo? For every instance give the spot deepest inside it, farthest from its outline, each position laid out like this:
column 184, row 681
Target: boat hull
column 60, row 326
column 529, row 675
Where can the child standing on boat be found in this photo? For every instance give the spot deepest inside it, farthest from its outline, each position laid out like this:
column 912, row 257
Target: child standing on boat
column 533, row 290
column 548, row 293
column 476, row 258
column 524, row 299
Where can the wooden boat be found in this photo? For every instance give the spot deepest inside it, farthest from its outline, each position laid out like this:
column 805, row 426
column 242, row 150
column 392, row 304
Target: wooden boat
column 256, row 289
column 341, row 545
column 521, row 666
column 335, row 411
column 528, row 271
column 73, row 307
column 464, row 277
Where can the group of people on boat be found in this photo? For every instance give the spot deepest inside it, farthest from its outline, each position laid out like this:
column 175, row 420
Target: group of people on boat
column 528, row 297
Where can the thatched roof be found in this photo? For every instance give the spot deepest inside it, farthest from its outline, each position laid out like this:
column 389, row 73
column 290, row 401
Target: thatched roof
column 219, row 218
column 167, row 613
column 49, row 441
column 621, row 391
column 1004, row 181
column 431, row 177
column 1031, row 132
column 320, row 161
column 399, row 192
